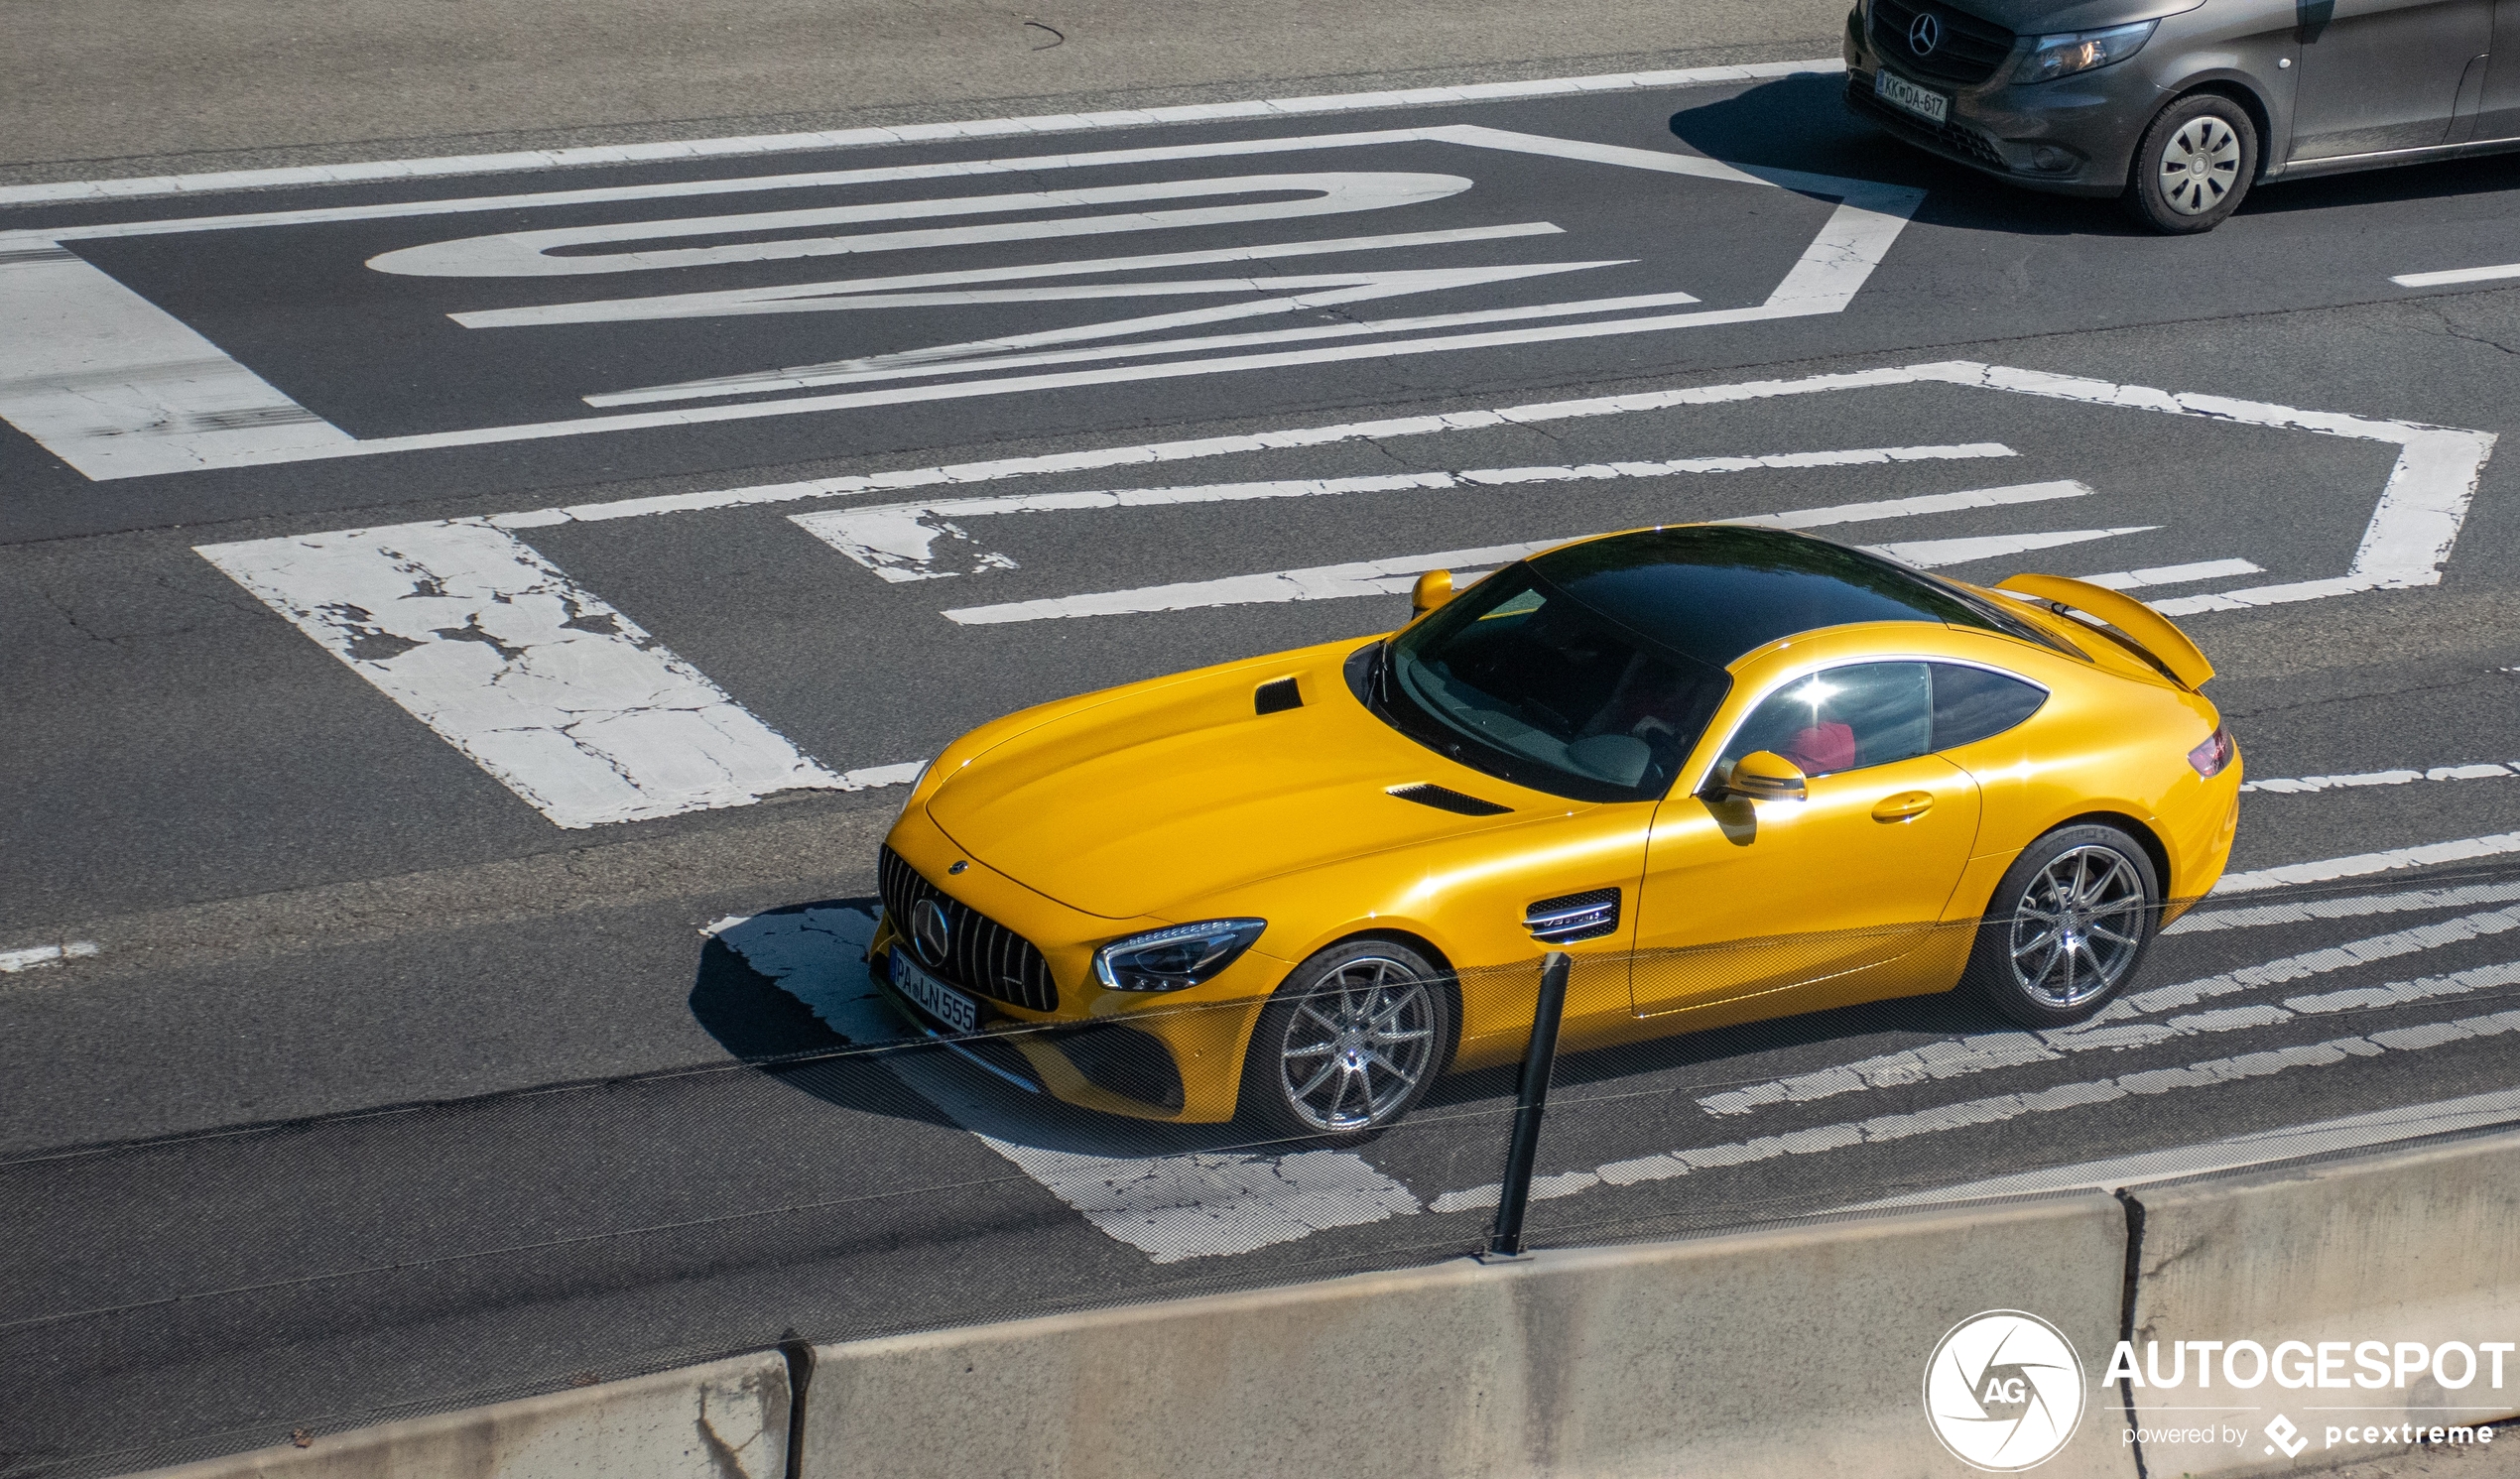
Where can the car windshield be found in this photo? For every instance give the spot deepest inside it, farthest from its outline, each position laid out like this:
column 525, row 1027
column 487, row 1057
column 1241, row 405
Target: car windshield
column 1516, row 677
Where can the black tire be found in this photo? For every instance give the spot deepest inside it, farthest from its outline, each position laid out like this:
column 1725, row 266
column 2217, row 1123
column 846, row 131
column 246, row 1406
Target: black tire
column 2194, row 165
column 2045, row 961
column 1379, row 1019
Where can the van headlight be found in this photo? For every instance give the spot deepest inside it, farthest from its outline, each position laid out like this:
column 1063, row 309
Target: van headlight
column 1176, row 958
column 2054, row 57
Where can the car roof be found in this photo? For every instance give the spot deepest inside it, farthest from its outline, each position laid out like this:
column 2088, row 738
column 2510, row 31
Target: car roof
column 1715, row 591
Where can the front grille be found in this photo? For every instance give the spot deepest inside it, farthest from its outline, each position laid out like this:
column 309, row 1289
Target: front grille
column 1967, row 50
column 984, row 956
column 1959, row 138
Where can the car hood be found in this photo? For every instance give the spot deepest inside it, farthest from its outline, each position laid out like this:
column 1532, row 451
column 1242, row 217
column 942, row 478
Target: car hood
column 1171, row 793
column 2048, row 17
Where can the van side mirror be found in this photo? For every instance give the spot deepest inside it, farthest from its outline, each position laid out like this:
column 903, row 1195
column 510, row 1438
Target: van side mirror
column 1765, row 776
column 1432, row 589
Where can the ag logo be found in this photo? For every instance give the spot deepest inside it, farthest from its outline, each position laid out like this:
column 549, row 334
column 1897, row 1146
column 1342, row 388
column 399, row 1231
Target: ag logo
column 2003, row 1391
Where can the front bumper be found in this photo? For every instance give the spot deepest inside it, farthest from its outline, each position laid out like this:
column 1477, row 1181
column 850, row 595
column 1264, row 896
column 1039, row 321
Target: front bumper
column 2075, row 136
column 1173, row 1057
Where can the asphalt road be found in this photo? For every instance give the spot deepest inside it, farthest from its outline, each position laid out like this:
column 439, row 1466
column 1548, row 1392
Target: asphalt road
column 438, row 1041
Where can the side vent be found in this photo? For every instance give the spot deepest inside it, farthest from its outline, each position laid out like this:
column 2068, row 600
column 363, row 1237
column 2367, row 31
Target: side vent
column 1562, row 922
column 1276, row 696
column 1443, row 799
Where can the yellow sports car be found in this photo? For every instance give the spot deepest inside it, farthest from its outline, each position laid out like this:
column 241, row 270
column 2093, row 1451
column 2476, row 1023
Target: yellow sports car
column 1737, row 772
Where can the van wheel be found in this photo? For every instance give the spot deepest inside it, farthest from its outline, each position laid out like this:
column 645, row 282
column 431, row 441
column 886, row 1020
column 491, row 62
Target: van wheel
column 2068, row 925
column 1348, row 1044
column 2194, row 165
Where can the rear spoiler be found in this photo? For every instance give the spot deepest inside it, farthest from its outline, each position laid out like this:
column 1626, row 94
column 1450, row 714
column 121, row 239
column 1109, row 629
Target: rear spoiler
column 2170, row 648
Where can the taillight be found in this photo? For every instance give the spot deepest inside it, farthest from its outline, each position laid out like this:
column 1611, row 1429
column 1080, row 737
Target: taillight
column 2216, row 752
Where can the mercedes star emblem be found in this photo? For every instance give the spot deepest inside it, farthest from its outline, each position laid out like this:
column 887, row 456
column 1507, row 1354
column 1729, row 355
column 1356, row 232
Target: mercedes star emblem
column 931, row 930
column 1925, row 34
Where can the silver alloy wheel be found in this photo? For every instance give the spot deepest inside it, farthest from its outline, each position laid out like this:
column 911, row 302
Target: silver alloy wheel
column 1358, row 1045
column 2076, row 927
column 2200, row 165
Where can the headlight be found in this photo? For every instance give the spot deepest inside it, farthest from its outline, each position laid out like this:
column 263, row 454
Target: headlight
column 1175, row 958
column 2054, row 57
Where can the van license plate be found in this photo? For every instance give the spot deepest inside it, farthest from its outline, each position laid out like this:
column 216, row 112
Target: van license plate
column 932, row 996
column 1901, row 93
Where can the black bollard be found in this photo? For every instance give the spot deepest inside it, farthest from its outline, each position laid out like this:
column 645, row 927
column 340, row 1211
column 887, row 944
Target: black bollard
column 1514, row 1197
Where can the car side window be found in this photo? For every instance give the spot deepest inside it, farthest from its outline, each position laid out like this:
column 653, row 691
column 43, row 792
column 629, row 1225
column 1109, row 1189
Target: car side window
column 1971, row 703
column 1843, row 718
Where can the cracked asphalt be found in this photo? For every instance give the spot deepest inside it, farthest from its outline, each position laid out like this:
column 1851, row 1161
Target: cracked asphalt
column 414, row 1097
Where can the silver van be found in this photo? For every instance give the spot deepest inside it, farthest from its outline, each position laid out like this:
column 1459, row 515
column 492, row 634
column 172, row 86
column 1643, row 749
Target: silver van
column 2180, row 108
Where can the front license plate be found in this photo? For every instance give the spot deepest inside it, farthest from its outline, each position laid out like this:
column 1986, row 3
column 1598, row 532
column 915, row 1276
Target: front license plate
column 1899, row 92
column 933, row 996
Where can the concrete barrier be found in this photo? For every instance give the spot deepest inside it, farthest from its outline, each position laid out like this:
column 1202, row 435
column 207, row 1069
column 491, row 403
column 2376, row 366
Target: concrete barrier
column 727, row 1420
column 2418, row 1245
column 1799, row 1351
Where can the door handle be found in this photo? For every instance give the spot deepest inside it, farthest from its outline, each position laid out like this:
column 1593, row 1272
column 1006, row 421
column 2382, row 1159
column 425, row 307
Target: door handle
column 1905, row 806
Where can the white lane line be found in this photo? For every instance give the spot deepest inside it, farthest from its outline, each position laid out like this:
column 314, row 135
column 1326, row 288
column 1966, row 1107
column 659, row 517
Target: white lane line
column 2458, row 275
column 560, row 696
column 2361, row 865
column 2174, row 574
column 115, row 386
column 44, row 958
column 2258, row 916
column 2304, row 784
column 1393, row 575
column 1884, row 1129
column 2115, row 1028
column 679, row 150
column 1931, row 553
column 2235, row 1153
column 1171, row 1207
column 897, row 540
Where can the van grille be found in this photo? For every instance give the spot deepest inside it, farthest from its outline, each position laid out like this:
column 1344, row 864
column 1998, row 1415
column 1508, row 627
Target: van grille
column 984, row 956
column 1967, row 50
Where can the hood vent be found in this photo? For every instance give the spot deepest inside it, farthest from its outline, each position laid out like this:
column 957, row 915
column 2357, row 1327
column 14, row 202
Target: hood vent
column 1562, row 921
column 1442, row 798
column 1276, row 696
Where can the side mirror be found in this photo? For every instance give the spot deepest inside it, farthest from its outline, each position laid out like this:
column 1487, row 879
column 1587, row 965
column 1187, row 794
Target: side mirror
column 1765, row 776
column 1432, row 589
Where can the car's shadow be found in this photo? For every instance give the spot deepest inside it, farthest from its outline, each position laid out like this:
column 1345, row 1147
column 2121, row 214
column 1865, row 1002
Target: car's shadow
column 1801, row 123
column 880, row 1068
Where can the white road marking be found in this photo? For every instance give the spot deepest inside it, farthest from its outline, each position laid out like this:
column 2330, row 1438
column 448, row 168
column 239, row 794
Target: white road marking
column 897, row 540
column 1171, row 1207
column 2258, row 916
column 1841, row 257
column 1393, row 575
column 2409, row 536
column 115, row 386
column 2458, row 275
column 2361, row 865
column 745, row 146
column 1932, row 554
column 557, row 695
column 42, row 957
column 1884, row 1129
column 2174, row 574
column 2115, row 1027
column 2237, row 1152
column 2304, row 785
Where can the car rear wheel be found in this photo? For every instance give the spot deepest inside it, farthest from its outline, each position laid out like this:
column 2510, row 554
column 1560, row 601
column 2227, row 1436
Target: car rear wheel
column 2068, row 926
column 1348, row 1044
column 2194, row 165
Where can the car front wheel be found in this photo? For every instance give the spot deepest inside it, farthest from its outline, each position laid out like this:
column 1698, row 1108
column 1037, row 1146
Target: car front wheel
column 2068, row 926
column 1348, row 1044
column 2194, row 165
